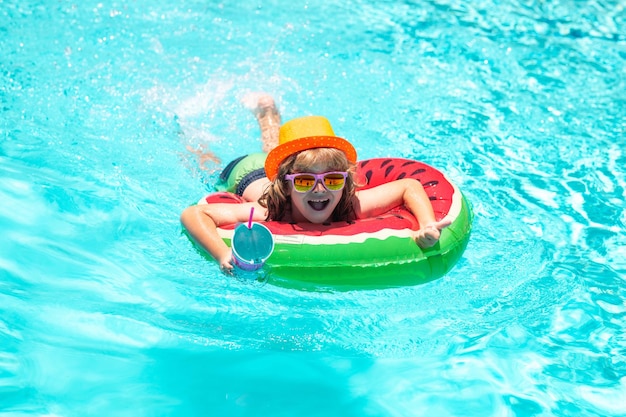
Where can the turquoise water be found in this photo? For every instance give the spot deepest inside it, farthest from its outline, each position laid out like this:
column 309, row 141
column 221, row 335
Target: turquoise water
column 106, row 309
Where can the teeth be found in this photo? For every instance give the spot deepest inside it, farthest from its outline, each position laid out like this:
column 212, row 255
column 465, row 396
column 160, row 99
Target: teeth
column 319, row 205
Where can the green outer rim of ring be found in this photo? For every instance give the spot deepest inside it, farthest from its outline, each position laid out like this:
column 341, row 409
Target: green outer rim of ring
column 374, row 263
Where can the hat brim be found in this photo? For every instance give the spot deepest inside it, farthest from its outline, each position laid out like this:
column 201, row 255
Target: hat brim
column 279, row 153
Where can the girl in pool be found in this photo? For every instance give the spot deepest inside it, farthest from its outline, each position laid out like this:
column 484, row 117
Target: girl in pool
column 307, row 176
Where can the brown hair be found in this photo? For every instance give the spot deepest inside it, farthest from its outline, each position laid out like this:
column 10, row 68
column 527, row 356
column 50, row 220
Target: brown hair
column 276, row 197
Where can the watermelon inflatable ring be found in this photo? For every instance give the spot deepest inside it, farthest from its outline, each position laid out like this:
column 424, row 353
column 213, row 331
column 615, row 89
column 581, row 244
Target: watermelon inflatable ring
column 368, row 253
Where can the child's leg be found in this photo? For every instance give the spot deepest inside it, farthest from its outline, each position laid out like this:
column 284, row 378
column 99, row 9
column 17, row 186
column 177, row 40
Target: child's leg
column 268, row 117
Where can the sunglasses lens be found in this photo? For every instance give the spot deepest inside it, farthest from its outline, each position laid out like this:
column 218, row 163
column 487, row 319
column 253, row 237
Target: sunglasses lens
column 334, row 182
column 303, row 183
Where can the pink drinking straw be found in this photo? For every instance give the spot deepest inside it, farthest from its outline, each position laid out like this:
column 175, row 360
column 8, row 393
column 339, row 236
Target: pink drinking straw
column 250, row 219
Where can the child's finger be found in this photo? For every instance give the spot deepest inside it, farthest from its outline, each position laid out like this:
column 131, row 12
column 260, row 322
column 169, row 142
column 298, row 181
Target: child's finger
column 442, row 224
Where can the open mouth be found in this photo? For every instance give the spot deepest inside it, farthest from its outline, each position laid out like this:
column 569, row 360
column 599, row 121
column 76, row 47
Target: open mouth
column 318, row 205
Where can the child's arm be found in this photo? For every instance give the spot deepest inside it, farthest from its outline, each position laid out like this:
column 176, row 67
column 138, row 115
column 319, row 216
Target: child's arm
column 380, row 199
column 202, row 221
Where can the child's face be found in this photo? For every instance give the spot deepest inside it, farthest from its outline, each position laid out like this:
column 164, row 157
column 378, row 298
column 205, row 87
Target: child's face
column 317, row 204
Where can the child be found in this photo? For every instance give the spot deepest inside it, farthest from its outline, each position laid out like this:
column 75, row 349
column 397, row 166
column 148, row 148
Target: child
column 307, row 176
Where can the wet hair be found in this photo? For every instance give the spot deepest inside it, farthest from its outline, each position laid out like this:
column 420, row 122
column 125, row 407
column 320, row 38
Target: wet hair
column 276, row 197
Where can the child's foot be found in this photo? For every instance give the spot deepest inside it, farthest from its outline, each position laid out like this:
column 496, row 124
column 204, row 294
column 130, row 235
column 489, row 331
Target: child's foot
column 267, row 115
column 206, row 159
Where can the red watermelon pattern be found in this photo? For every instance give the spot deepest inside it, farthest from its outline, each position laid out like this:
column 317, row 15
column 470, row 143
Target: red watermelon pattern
column 370, row 173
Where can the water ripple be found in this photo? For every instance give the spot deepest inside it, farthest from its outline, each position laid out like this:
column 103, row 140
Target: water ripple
column 106, row 308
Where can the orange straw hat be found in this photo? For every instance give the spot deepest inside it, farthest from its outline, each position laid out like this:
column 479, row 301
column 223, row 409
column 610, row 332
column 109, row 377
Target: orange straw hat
column 301, row 134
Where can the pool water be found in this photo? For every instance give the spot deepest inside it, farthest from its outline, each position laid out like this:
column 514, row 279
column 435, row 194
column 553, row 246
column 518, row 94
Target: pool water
column 106, row 309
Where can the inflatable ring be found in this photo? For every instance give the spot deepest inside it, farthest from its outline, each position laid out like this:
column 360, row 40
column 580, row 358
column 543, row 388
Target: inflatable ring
column 368, row 253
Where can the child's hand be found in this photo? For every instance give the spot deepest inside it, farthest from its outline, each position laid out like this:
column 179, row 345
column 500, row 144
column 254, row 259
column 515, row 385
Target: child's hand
column 429, row 234
column 226, row 262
